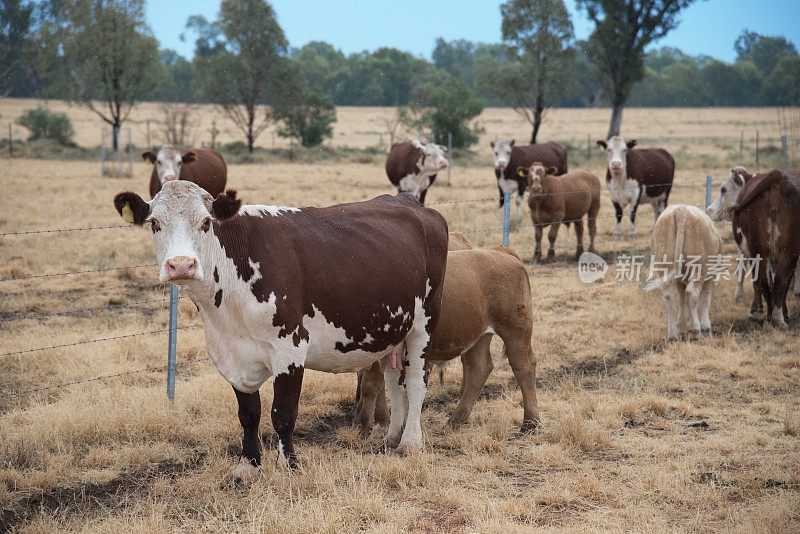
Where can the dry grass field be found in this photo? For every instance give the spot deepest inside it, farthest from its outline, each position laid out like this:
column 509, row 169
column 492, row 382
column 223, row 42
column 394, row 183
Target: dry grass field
column 639, row 434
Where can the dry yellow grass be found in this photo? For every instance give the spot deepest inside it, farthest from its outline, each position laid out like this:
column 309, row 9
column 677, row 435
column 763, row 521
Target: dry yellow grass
column 618, row 451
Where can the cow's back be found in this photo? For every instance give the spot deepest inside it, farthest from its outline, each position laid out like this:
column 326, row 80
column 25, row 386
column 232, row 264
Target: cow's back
column 652, row 167
column 686, row 232
column 402, row 161
column 549, row 154
column 208, row 170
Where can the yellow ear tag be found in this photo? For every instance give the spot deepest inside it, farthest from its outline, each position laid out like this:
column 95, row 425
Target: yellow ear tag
column 127, row 213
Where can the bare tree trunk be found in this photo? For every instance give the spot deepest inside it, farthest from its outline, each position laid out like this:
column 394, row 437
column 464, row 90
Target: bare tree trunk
column 538, row 113
column 115, row 129
column 616, row 118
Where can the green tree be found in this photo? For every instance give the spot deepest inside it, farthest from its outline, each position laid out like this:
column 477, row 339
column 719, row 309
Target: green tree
column 623, row 29
column 178, row 82
column 782, row 86
column 449, row 107
column 110, row 53
column 539, row 34
column 765, row 52
column 15, row 20
column 307, row 115
column 244, row 74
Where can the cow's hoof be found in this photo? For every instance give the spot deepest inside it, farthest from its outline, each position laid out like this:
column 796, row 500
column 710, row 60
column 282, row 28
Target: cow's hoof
column 529, row 426
column 456, row 421
column 245, row 473
column 706, row 331
column 592, row 249
column 392, row 441
column 537, row 257
column 578, row 254
column 757, row 316
column 377, row 433
column 692, row 335
column 672, row 337
column 408, row 448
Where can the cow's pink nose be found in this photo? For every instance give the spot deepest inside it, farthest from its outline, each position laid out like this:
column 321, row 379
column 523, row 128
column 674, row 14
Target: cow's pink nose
column 169, row 177
column 616, row 165
column 181, row 267
column 443, row 165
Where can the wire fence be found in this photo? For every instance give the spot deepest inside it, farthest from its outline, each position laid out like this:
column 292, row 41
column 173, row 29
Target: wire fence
column 9, row 317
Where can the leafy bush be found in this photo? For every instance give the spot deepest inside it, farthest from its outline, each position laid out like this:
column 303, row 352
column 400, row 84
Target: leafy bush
column 306, row 117
column 44, row 124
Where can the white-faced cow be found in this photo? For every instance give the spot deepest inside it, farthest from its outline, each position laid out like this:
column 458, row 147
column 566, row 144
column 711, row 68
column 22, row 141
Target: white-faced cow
column 636, row 175
column 203, row 166
column 412, row 166
column 280, row 290
column 509, row 158
column 684, row 243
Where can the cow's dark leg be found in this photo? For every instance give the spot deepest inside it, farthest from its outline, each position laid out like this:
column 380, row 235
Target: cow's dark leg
column 249, row 417
column 422, row 195
column 552, row 235
column 784, row 271
column 618, row 213
column 370, row 387
column 502, row 196
column 538, row 230
column 477, row 363
column 579, row 238
column 284, row 411
column 634, row 207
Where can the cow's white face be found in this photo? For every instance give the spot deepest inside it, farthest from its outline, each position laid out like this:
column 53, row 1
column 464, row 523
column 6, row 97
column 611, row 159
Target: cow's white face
column 502, row 153
column 433, row 159
column 722, row 207
column 168, row 162
column 180, row 219
column 617, row 154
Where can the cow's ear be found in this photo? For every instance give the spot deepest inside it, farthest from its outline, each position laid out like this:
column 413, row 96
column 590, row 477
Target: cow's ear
column 632, row 143
column 417, row 144
column 511, row 143
column 149, row 157
column 131, row 207
column 602, row 144
column 226, row 205
column 523, row 172
column 552, row 170
column 189, row 157
column 491, row 144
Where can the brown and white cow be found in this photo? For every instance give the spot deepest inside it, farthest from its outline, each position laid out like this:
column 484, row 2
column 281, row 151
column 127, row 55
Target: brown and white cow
column 486, row 293
column 203, row 166
column 722, row 210
column 281, row 290
column 412, row 166
column 561, row 199
column 509, row 158
column 684, row 243
column 765, row 221
column 636, row 175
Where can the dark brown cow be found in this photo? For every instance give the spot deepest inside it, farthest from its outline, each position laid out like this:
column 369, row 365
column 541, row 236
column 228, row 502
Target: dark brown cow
column 412, row 166
column 561, row 199
column 203, row 166
column 765, row 222
column 633, row 176
column 486, row 293
column 280, row 290
column 508, row 158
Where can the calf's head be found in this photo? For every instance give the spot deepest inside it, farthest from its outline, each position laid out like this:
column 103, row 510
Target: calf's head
column 180, row 217
column 534, row 175
column 617, row 153
column 168, row 162
column 433, row 157
column 722, row 207
column 502, row 153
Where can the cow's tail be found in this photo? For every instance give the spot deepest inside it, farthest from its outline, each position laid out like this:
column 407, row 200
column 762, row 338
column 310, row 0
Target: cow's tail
column 658, row 282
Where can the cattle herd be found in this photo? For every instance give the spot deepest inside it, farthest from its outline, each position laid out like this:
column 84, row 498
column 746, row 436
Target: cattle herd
column 277, row 290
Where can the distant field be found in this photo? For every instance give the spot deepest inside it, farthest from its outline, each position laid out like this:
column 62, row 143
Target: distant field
column 695, row 131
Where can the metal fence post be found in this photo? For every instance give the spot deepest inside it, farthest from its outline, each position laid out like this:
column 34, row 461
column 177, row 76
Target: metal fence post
column 174, row 295
column 449, row 157
column 784, row 152
column 506, row 217
column 708, row 191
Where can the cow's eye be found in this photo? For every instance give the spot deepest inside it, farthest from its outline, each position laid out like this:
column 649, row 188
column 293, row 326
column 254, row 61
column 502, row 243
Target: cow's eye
column 723, row 190
column 179, row 163
column 206, row 224
column 155, row 225
column 160, row 162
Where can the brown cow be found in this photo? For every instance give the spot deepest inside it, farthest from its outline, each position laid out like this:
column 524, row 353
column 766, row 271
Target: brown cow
column 561, row 199
column 485, row 292
column 203, row 166
column 508, row 158
column 281, row 290
column 636, row 175
column 412, row 166
column 765, row 221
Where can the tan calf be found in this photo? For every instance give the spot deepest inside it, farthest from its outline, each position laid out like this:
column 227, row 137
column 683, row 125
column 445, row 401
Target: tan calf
column 684, row 238
column 486, row 292
column 561, row 199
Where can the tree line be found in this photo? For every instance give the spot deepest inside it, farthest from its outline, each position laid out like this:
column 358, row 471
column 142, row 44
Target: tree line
column 101, row 53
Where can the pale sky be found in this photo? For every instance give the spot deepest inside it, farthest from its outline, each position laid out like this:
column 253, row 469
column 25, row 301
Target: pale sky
column 707, row 27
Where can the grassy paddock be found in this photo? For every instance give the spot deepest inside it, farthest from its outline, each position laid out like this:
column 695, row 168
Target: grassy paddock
column 620, row 449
